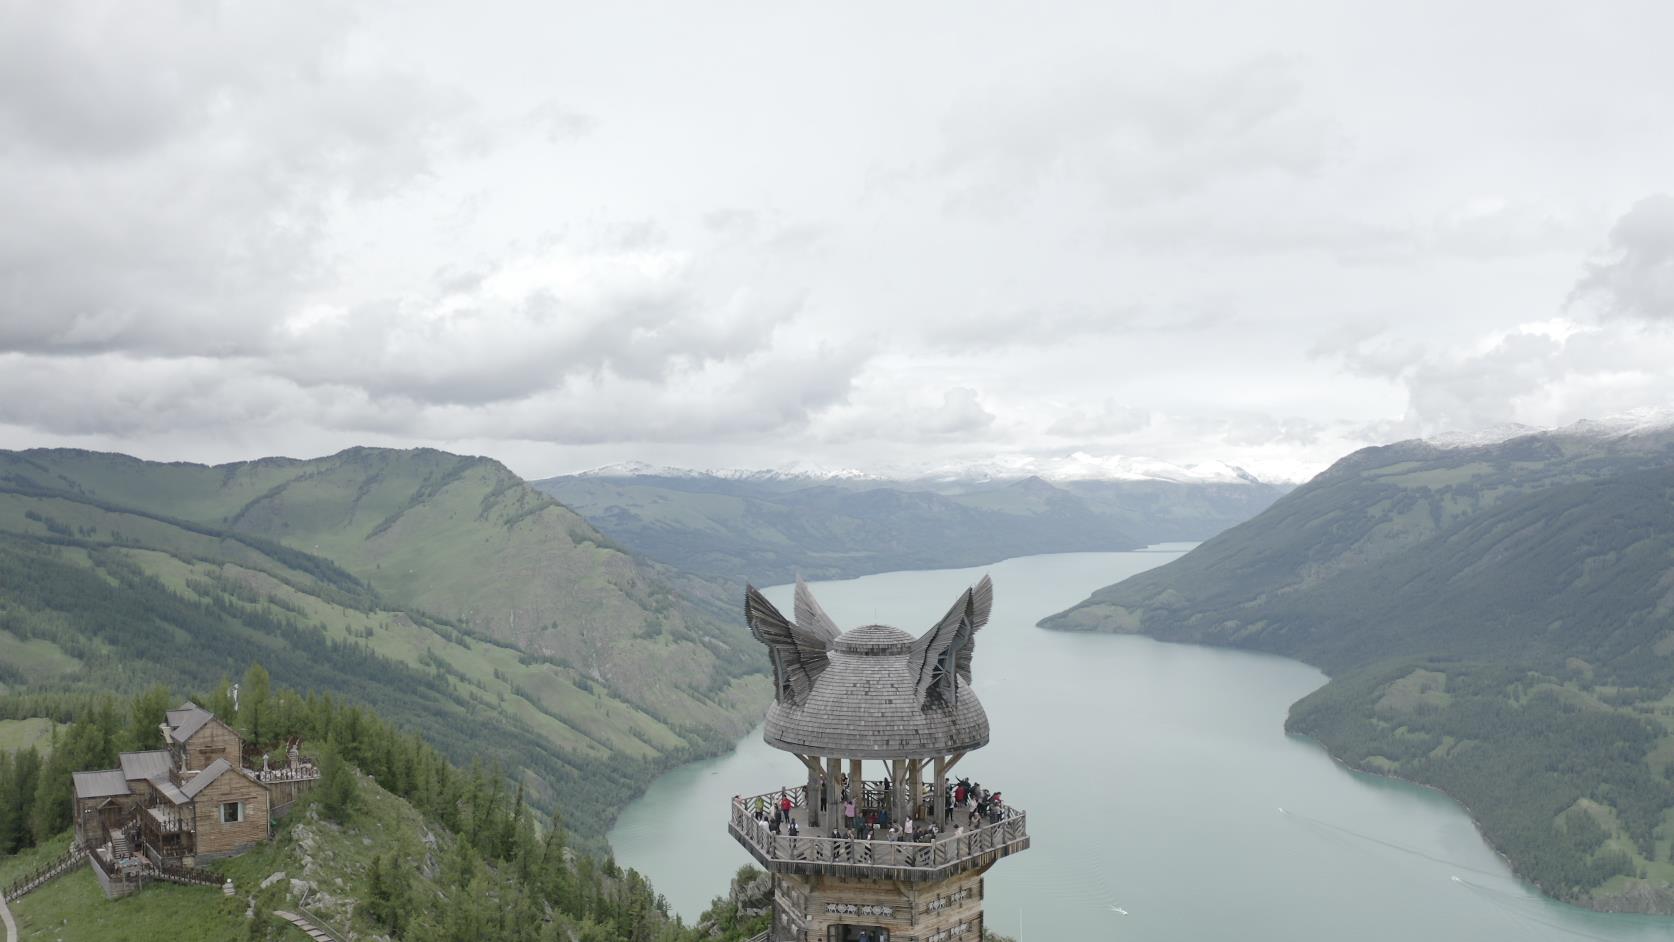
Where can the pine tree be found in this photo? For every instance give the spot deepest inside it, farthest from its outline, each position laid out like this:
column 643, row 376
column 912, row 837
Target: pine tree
column 254, row 705
column 149, row 710
column 338, row 787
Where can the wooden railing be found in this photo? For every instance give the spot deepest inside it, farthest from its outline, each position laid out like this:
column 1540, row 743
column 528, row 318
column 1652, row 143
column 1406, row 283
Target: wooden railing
column 912, row 859
column 56, row 867
column 189, row 876
column 306, row 771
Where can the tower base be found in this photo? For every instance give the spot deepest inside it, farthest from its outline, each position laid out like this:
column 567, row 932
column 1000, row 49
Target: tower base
column 835, row 909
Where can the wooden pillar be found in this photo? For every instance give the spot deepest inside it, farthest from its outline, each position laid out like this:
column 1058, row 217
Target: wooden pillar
column 811, row 795
column 915, row 795
column 834, row 790
column 898, row 789
column 940, row 797
column 857, row 786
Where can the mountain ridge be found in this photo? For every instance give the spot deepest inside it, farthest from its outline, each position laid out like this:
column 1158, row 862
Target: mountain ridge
column 771, row 530
column 1497, row 621
column 458, row 589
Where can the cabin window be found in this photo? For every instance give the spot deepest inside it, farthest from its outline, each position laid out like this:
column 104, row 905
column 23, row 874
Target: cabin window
column 232, row 812
column 857, row 934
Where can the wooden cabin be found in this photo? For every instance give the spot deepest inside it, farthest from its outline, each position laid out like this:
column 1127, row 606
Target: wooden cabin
column 190, row 801
column 195, row 738
column 103, row 803
column 230, row 810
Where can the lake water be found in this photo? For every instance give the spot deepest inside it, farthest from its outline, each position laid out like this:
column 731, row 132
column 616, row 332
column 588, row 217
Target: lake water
column 1153, row 775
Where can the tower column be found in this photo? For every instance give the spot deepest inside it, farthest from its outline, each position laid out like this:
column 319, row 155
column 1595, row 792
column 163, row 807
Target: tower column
column 915, row 768
column 834, row 790
column 940, row 797
column 810, row 795
column 857, row 786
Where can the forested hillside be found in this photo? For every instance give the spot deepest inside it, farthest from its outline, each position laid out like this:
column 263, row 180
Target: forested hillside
column 770, row 527
column 436, row 589
column 1498, row 621
column 395, row 842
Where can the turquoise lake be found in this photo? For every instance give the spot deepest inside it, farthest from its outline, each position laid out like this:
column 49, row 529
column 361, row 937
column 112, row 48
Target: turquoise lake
column 1154, row 776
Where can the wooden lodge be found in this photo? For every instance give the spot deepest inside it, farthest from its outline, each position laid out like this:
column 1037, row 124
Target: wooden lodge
column 894, row 859
column 167, row 810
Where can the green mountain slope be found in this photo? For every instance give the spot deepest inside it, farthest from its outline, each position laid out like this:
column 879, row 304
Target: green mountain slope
column 407, row 847
column 769, row 528
column 596, row 673
column 1499, row 622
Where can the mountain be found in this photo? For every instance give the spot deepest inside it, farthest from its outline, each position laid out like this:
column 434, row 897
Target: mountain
column 1498, row 620
column 768, row 527
column 438, row 588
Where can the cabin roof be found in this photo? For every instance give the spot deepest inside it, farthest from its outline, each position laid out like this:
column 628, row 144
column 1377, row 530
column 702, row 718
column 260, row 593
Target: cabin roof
column 145, row 765
column 205, row 778
column 186, row 720
column 170, row 791
column 107, row 783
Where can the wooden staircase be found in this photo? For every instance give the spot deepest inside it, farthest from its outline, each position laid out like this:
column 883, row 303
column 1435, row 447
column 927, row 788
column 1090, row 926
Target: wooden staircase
column 314, row 932
column 50, row 871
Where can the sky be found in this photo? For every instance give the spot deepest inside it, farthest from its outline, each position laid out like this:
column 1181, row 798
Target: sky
column 857, row 235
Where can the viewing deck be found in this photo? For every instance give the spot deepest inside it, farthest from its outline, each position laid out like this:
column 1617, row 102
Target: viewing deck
column 814, row 851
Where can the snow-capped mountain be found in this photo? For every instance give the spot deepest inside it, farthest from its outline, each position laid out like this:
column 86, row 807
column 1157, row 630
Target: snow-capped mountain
column 1621, row 424
column 1079, row 466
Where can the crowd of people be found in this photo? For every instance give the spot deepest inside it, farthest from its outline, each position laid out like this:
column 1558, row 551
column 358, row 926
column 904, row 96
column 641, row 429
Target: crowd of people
column 968, row 806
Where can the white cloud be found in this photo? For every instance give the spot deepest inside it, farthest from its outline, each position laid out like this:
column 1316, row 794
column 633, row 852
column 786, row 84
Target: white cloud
column 1255, row 235
column 1638, row 280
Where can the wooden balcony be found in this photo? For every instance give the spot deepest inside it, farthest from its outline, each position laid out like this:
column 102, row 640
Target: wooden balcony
column 814, row 851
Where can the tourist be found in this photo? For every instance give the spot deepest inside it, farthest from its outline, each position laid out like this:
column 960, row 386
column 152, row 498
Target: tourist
column 848, row 812
column 793, row 828
column 909, row 826
column 785, row 804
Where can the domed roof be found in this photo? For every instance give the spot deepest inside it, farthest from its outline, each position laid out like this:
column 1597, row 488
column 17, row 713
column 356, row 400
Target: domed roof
column 874, row 692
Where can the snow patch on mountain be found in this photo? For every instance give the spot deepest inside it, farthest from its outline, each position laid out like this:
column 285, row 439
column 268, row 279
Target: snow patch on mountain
column 1078, row 466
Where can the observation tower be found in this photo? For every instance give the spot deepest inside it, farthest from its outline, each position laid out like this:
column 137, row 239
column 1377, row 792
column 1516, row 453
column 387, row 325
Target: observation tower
column 874, row 700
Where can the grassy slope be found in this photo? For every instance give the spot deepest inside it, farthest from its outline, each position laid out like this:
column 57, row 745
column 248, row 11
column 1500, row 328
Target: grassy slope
column 21, row 734
column 459, row 537
column 1529, row 586
column 589, row 724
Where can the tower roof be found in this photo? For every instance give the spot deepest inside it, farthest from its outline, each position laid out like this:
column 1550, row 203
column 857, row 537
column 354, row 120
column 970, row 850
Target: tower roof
column 874, row 692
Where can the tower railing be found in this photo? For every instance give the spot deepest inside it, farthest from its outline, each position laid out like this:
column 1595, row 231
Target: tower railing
column 898, row 857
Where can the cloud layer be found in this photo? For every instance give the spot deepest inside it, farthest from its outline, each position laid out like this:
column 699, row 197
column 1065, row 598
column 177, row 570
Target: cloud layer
column 1193, row 234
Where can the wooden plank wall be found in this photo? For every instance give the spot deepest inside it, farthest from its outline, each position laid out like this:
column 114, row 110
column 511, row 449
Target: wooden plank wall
column 216, row 740
column 215, row 839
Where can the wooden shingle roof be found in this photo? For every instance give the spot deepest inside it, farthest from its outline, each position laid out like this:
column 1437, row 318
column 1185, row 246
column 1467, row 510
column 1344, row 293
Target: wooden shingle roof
column 866, row 706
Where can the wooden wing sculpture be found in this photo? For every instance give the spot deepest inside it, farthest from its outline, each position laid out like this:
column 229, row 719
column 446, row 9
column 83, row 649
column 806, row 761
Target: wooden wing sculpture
column 798, row 649
column 942, row 656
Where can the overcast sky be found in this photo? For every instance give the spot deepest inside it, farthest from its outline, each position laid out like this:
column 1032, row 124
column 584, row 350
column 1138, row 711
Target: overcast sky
column 841, row 234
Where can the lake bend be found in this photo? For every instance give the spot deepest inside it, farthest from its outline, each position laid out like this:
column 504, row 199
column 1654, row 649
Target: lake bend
column 1165, row 800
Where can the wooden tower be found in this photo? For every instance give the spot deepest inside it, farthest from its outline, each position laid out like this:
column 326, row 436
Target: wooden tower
column 874, row 701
